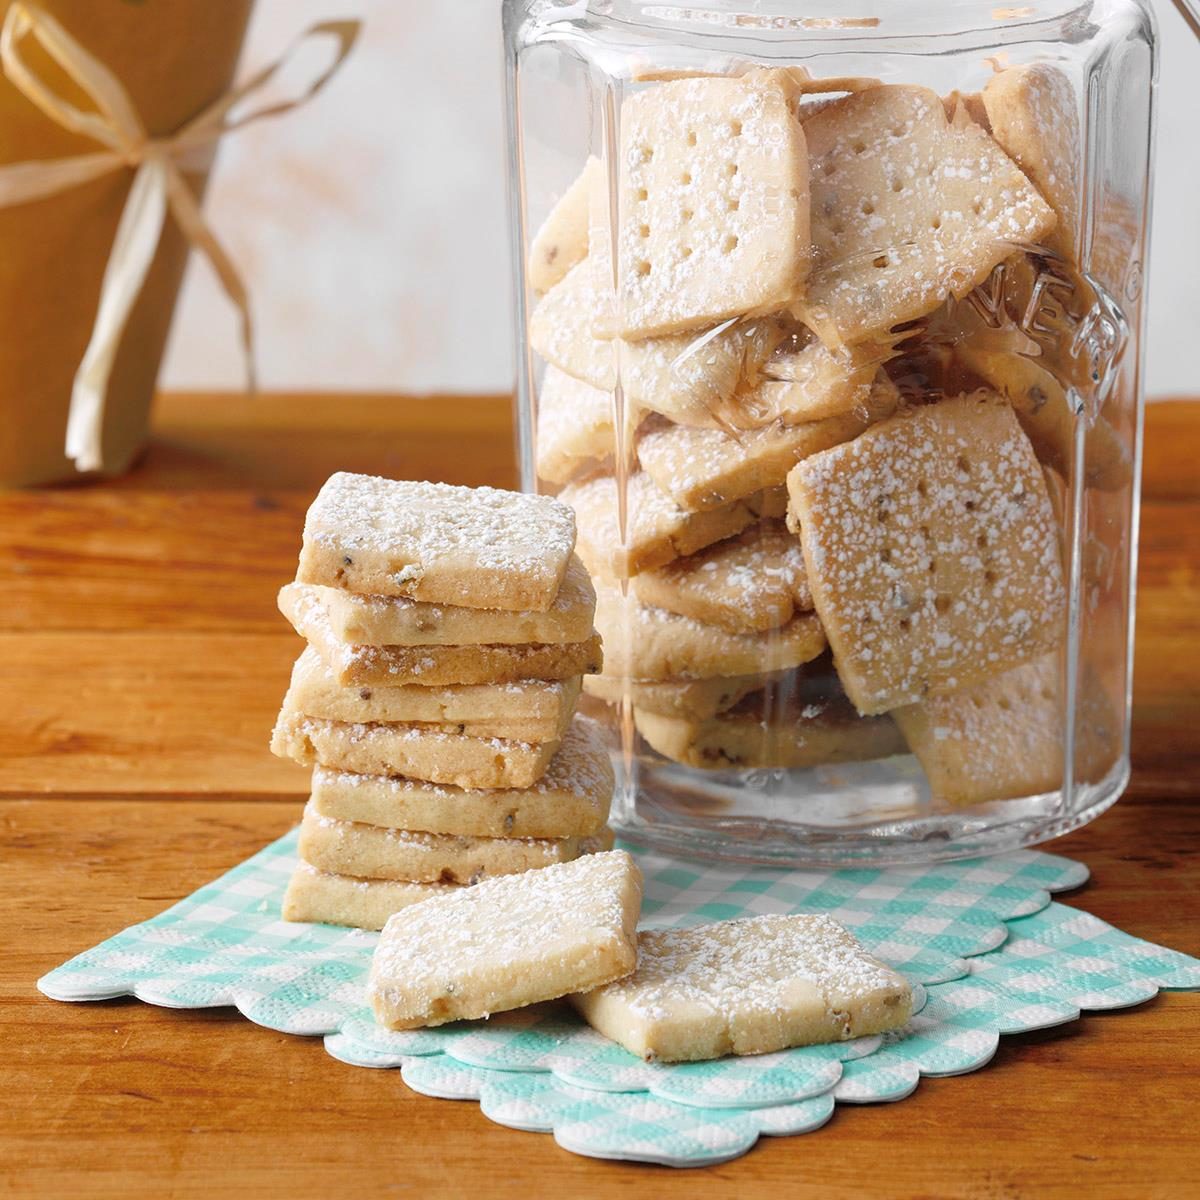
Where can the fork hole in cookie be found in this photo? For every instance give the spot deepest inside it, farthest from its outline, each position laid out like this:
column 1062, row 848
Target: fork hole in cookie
column 688, row 214
column 731, row 170
column 644, row 231
column 880, row 262
column 936, row 223
column 730, row 244
column 904, row 624
column 733, row 204
column 963, row 463
column 859, row 147
column 989, row 577
column 691, row 137
column 735, row 128
column 897, row 185
column 685, row 178
column 647, row 154
column 686, row 252
column 867, row 208
column 643, row 267
column 942, row 603
column 642, row 195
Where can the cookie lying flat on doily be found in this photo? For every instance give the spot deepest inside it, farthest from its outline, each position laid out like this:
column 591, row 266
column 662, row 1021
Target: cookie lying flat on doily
column 747, row 987
column 508, row 942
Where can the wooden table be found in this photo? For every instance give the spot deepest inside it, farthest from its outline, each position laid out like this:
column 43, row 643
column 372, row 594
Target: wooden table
column 141, row 661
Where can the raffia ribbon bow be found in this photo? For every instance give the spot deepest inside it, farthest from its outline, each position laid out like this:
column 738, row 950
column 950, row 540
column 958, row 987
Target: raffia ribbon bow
column 158, row 185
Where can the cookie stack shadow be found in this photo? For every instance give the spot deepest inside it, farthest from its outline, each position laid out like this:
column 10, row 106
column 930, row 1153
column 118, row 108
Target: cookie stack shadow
column 448, row 631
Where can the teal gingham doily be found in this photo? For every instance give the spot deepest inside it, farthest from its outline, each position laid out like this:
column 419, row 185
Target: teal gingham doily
column 987, row 949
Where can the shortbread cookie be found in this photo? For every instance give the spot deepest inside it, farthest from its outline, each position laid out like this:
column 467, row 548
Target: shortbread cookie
column 562, row 241
column 530, row 711
column 1033, row 115
column 434, row 666
column 807, row 381
column 560, row 329
column 713, row 202
column 692, row 377
column 508, row 942
column 414, row 751
column 649, row 643
column 531, row 704
column 698, row 699
column 746, row 584
column 999, row 739
column 1042, row 407
column 575, row 426
column 772, row 730
column 701, row 469
column 1003, row 737
column 475, row 547
column 328, row 899
column 908, row 207
column 570, row 800
column 372, row 852
column 395, row 621
column 657, row 530
column 932, row 552
column 747, row 987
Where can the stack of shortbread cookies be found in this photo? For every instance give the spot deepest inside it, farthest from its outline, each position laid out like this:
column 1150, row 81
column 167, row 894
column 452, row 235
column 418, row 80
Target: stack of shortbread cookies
column 448, row 629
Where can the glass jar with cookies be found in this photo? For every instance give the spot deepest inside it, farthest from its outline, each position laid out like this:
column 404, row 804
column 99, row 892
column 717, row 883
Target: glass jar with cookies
column 829, row 332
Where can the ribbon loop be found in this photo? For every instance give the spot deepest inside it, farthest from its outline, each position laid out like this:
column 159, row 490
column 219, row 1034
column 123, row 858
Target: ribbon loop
column 158, row 186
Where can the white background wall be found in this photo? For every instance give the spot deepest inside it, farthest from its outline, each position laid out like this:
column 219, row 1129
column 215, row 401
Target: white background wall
column 371, row 226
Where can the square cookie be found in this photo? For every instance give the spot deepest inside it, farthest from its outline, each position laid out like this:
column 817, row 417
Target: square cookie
column 747, row 987
column 693, row 377
column 777, row 729
column 1034, row 116
column 697, row 699
column 560, row 329
column 909, row 206
column 414, row 751
column 932, row 551
column 328, row 899
column 652, row 644
column 433, row 666
column 656, row 529
column 713, row 204
column 575, row 426
column 508, row 942
column 396, row 621
column 746, row 584
column 525, row 712
column 474, row 547
column 562, row 240
column 570, row 800
column 373, row 852
column 537, row 708
column 700, row 469
column 1001, row 738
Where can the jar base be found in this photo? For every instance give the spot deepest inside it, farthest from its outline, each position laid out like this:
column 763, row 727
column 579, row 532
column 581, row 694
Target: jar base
column 674, row 813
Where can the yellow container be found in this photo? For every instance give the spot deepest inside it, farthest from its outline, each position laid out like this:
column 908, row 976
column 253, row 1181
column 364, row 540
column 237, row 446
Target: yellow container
column 174, row 57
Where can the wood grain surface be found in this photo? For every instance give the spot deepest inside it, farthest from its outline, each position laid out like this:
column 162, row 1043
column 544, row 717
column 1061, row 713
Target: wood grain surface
column 141, row 662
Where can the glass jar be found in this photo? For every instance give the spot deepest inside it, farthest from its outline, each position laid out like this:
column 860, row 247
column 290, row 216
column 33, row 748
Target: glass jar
column 829, row 330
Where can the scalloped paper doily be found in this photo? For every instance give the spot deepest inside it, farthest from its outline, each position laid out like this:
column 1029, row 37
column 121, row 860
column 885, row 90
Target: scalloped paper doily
column 988, row 950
